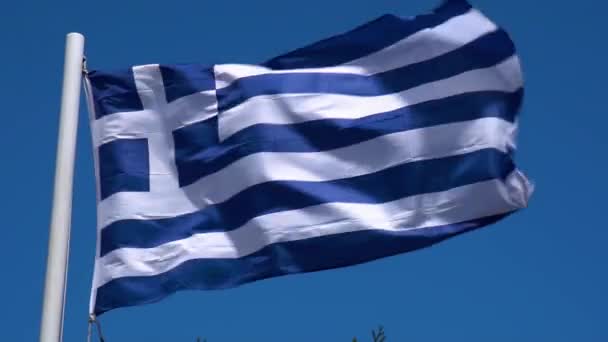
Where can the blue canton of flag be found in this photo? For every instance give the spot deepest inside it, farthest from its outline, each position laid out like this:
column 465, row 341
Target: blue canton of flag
column 382, row 140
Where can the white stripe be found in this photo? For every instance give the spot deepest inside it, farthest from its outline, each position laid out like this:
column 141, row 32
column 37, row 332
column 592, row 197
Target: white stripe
column 294, row 108
column 505, row 76
column 359, row 159
column 427, row 210
column 423, row 45
column 129, row 125
column 139, row 124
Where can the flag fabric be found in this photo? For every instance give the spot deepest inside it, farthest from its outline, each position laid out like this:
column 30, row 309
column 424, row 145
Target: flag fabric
column 382, row 140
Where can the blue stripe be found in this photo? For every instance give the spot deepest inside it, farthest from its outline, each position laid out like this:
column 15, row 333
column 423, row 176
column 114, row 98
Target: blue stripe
column 199, row 153
column 114, row 92
column 483, row 52
column 186, row 79
column 379, row 187
column 365, row 39
column 275, row 260
column 124, row 165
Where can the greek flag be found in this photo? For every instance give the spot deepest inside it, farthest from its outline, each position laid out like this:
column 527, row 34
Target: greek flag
column 382, row 140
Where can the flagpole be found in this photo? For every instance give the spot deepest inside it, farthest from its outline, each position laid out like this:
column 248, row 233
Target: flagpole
column 51, row 327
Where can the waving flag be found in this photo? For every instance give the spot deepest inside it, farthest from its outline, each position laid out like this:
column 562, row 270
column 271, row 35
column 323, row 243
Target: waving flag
column 382, row 140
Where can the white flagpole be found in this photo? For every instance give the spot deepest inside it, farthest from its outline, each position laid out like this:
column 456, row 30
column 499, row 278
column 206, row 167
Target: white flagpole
column 51, row 327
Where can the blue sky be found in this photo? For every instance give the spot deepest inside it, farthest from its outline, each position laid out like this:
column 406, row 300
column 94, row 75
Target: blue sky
column 540, row 275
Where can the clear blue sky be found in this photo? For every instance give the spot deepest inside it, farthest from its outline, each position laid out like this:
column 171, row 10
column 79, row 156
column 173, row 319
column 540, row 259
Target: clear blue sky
column 540, row 275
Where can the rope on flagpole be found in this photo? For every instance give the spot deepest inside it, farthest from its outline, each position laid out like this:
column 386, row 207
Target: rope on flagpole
column 93, row 321
column 85, row 71
column 92, row 318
